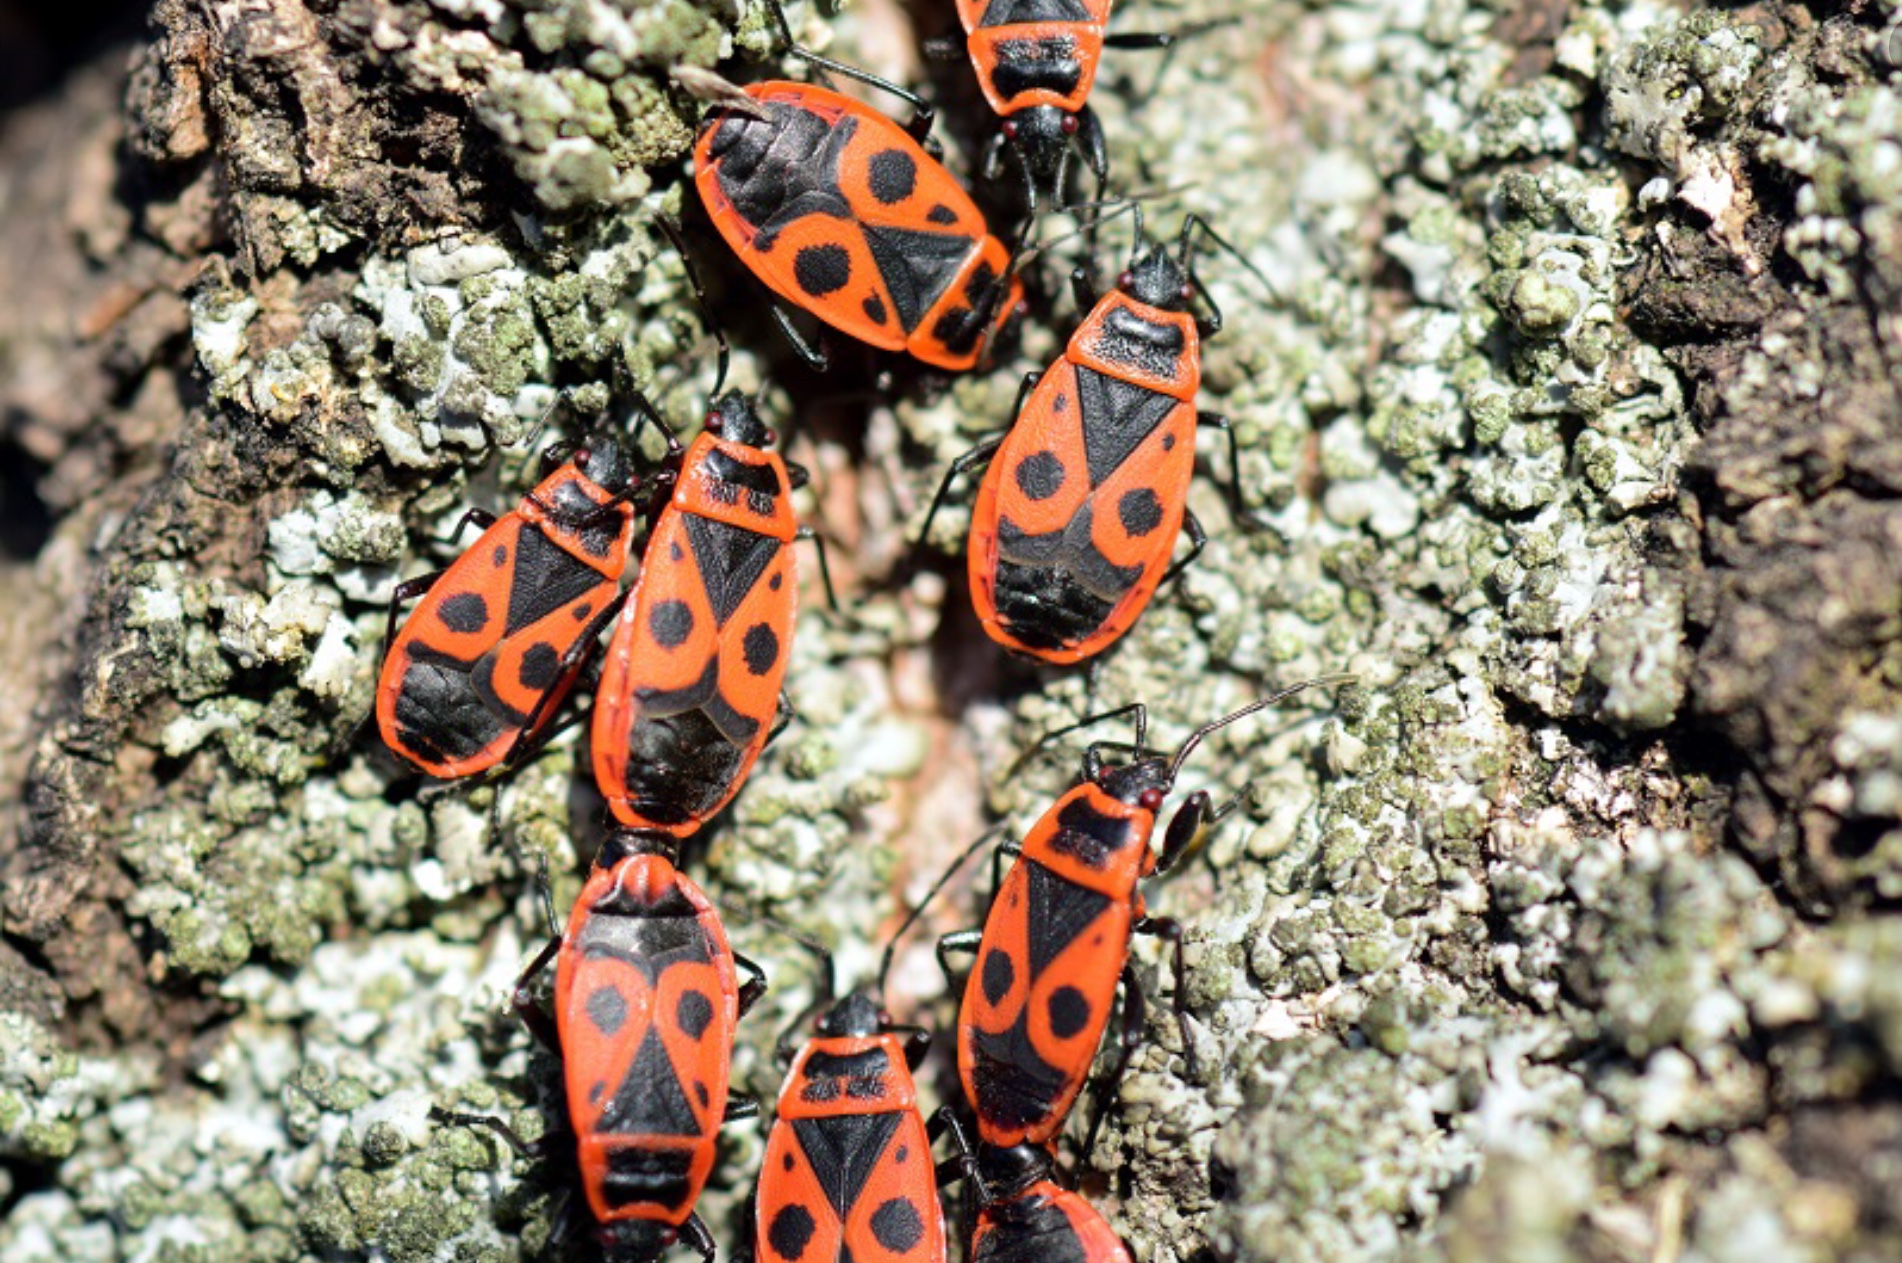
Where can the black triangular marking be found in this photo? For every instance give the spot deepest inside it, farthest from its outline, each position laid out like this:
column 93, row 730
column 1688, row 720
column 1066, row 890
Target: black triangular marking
column 1011, row 12
column 649, row 1101
column 917, row 266
column 1057, row 911
column 842, row 1150
column 1116, row 417
column 731, row 560
column 546, row 578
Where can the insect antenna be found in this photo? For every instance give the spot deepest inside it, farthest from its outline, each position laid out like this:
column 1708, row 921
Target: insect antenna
column 911, row 918
column 1262, row 703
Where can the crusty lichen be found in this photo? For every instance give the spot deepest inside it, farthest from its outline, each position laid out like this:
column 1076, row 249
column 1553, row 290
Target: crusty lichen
column 1478, row 972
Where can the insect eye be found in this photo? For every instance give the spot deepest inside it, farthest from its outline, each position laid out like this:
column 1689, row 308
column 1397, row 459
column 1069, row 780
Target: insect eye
column 713, row 422
column 884, row 1017
column 1069, row 124
column 1125, row 280
column 583, row 455
column 769, row 438
column 1151, row 799
column 1010, row 128
column 1185, row 293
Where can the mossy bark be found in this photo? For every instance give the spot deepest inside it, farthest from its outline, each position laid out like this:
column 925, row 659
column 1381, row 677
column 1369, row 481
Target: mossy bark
column 1571, row 412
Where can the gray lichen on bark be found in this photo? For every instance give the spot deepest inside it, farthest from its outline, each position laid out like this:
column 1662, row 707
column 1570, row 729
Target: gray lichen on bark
column 1568, row 932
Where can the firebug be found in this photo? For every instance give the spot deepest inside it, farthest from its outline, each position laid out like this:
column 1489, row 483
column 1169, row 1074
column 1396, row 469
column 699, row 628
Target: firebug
column 1077, row 517
column 690, row 687
column 1025, row 1216
column 1056, row 941
column 843, row 213
column 475, row 675
column 647, row 994
column 848, row 1172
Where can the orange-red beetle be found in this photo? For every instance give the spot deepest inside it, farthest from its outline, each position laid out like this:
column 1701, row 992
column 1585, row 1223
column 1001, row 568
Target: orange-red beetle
column 848, row 1172
column 647, row 994
column 690, row 687
column 843, row 214
column 1036, row 62
column 1078, row 514
column 1056, row 941
column 474, row 677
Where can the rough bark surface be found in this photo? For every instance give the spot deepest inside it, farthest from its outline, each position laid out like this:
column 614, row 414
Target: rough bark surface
column 1573, row 420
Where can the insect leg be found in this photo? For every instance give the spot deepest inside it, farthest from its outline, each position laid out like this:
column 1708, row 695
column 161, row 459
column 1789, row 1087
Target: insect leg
column 1198, row 540
column 1170, row 930
column 753, row 988
column 452, row 1118
column 1245, row 517
column 1134, row 1012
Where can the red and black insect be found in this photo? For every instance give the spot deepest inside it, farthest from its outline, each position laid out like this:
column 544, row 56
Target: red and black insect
column 848, row 1173
column 1078, row 514
column 1025, row 1216
column 647, row 994
column 690, row 688
column 1056, row 941
column 1036, row 62
column 842, row 213
column 474, row 677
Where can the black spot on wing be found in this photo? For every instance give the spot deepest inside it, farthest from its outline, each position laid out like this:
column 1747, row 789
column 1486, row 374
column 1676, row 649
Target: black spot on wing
column 465, row 613
column 897, row 1225
column 540, row 667
column 997, row 975
column 671, row 622
column 607, row 1009
column 694, row 1013
column 791, row 1230
column 1040, row 475
column 823, row 269
column 1069, row 1012
column 760, row 647
column 1140, row 511
column 892, row 175
column 874, row 309
column 941, row 214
